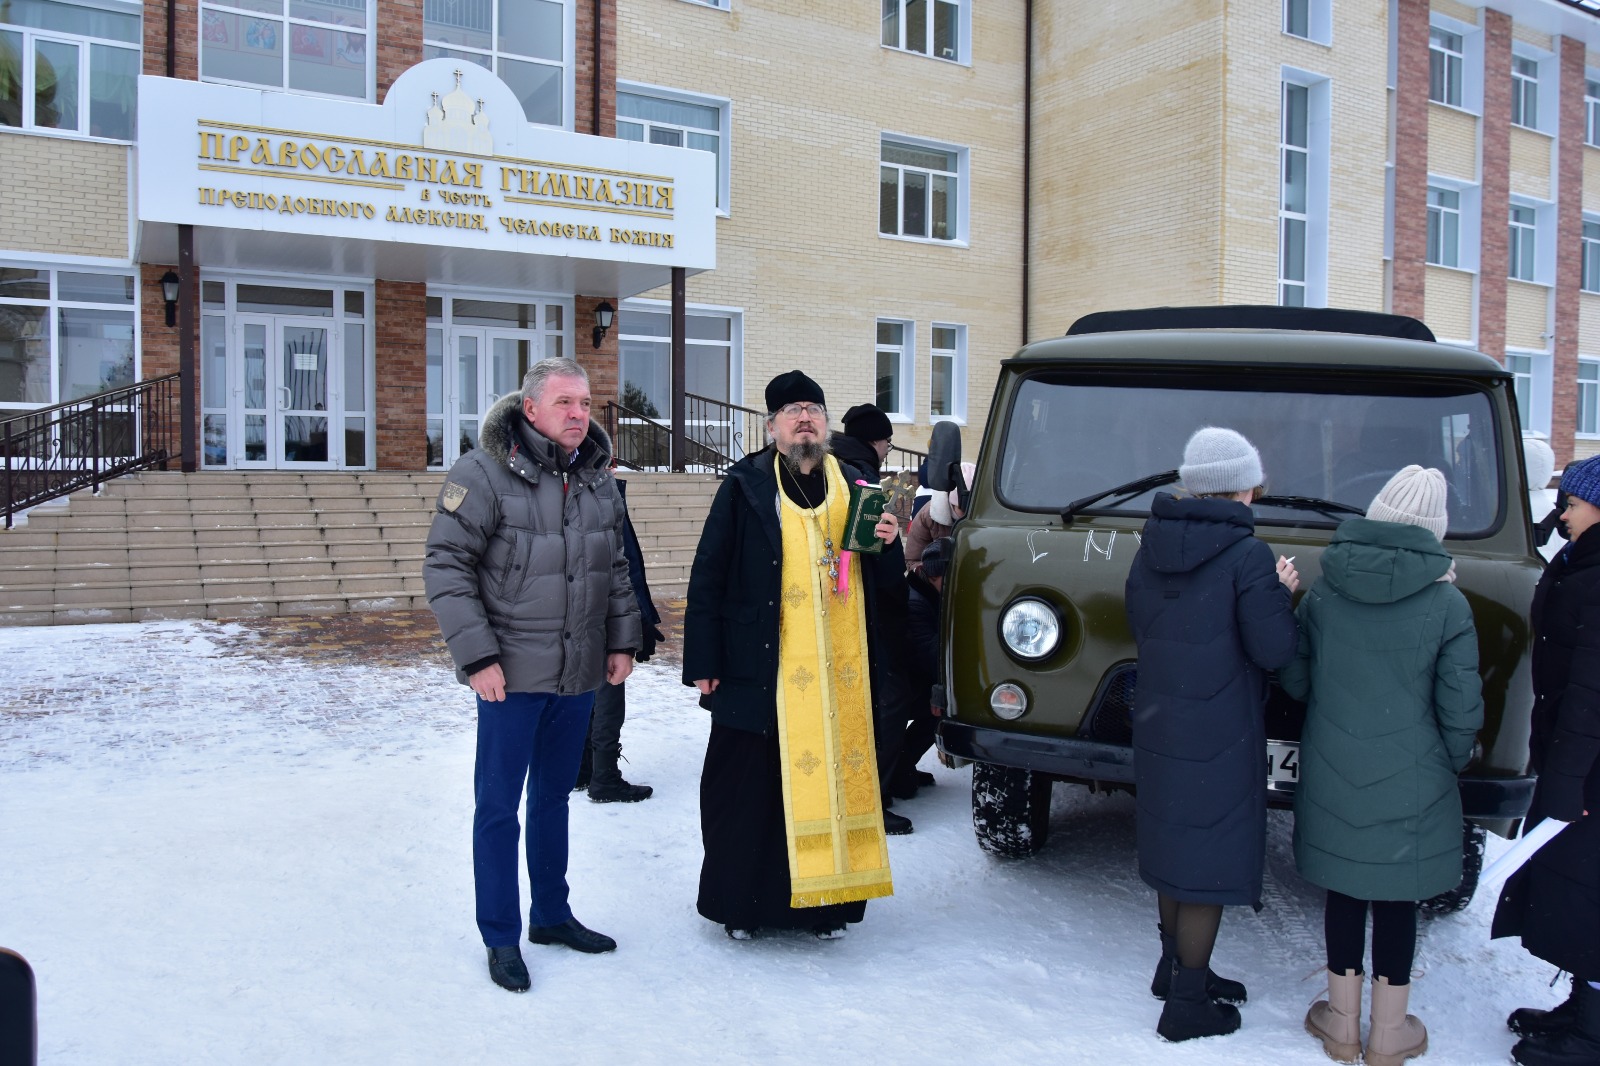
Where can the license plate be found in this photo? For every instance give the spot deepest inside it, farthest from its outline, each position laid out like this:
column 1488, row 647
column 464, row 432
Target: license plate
column 1283, row 765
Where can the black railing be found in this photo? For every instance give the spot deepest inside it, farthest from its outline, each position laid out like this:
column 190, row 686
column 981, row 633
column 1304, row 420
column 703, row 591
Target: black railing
column 59, row 450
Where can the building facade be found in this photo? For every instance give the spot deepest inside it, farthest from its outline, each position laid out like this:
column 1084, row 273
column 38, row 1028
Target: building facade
column 386, row 209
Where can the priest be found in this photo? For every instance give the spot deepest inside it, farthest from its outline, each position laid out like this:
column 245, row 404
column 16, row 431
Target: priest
column 789, row 638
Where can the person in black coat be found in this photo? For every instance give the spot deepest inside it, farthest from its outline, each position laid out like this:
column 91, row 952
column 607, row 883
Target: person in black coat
column 1211, row 614
column 865, row 442
column 924, row 591
column 1553, row 902
column 731, row 653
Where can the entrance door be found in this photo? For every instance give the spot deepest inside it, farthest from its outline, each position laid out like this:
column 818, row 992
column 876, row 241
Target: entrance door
column 285, row 393
column 475, row 367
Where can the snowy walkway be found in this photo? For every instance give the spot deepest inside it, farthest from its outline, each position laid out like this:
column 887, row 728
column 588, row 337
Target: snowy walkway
column 216, row 850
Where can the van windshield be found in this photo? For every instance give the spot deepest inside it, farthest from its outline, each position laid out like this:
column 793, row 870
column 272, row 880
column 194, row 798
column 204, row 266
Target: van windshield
column 1073, row 434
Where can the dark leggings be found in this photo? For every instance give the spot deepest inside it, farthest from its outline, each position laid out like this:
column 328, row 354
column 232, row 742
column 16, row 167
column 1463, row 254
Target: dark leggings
column 1394, row 936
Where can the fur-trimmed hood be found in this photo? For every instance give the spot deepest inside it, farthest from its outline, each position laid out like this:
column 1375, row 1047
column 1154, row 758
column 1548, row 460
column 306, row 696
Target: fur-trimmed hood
column 504, row 430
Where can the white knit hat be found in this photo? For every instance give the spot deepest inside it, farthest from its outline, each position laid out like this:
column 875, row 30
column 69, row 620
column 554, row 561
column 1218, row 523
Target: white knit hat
column 1414, row 496
column 1539, row 459
column 1217, row 462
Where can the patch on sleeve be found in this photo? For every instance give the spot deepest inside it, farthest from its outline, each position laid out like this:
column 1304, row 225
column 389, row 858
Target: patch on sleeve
column 452, row 496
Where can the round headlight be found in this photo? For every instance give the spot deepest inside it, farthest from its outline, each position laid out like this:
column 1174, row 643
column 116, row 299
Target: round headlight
column 1008, row 701
column 1031, row 629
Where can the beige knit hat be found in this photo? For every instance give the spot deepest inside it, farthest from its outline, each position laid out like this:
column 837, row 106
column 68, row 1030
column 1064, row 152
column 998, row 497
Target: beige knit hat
column 1414, row 496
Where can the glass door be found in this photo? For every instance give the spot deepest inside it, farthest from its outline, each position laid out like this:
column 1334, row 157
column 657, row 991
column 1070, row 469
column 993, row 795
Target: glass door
column 303, row 393
column 255, row 423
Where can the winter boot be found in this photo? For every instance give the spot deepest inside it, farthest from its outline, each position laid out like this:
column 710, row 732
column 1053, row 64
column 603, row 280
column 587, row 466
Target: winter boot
column 1395, row 1035
column 1219, row 988
column 896, row 825
column 1190, row 1012
column 1336, row 1021
column 1529, row 1021
column 1576, row 1045
column 608, row 786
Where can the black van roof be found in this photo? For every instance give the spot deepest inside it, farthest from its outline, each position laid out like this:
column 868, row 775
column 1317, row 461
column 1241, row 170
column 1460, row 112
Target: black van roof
column 1246, row 316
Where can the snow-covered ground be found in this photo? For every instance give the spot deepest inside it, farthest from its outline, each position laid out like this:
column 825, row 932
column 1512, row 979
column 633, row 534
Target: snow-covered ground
column 216, row 852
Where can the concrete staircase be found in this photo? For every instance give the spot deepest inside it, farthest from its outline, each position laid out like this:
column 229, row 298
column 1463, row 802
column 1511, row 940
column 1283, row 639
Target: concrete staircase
column 219, row 545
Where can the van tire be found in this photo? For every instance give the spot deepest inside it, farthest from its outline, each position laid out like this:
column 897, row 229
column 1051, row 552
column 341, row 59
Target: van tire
column 1010, row 810
column 1457, row 899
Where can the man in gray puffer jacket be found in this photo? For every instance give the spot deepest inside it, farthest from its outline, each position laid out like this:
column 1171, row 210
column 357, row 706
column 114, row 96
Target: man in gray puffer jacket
column 526, row 573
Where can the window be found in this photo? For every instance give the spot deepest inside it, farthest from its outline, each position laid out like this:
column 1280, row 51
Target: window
column 1588, row 397
column 320, row 47
column 1521, row 367
column 1446, row 59
column 68, row 68
column 1296, row 156
column 948, row 372
column 1591, row 112
column 711, row 341
column 892, row 368
column 920, row 191
column 1444, row 226
column 662, row 116
column 1525, row 92
column 1590, row 276
column 1523, row 249
column 935, row 28
column 526, row 42
column 64, row 334
column 1297, row 18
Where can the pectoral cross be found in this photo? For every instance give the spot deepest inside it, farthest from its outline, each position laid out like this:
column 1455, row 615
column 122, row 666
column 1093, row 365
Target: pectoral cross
column 830, row 559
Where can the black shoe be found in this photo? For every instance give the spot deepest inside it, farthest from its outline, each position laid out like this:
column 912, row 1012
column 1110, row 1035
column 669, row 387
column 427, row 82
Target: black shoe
column 735, row 933
column 896, row 825
column 903, row 788
column 1189, row 1012
column 922, row 779
column 1531, row 1021
column 507, row 970
column 1576, row 1045
column 828, row 931
column 618, row 792
column 1220, row 989
column 574, row 935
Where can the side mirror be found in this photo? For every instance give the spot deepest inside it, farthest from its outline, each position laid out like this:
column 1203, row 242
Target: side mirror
column 944, row 457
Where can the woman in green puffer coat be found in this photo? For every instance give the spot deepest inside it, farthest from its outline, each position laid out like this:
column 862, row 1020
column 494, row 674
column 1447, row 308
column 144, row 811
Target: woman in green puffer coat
column 1388, row 667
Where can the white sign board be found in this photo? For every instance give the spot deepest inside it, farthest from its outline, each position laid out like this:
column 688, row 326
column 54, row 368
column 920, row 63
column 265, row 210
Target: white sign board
column 447, row 160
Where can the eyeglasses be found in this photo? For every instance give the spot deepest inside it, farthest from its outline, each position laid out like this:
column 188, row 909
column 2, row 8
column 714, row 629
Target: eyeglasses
column 795, row 410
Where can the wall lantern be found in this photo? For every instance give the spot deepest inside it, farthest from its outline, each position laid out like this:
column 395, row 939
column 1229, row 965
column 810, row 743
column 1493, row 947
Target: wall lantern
column 169, row 293
column 603, row 317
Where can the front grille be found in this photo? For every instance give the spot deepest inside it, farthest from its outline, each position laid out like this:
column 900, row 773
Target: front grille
column 1110, row 719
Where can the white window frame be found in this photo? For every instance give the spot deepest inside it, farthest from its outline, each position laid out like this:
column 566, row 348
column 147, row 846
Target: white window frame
column 958, row 372
column 1589, row 271
column 1537, row 376
column 724, row 131
column 55, row 304
column 906, row 354
column 1312, row 286
column 1542, row 84
column 493, row 55
column 85, row 45
column 1591, row 108
column 962, row 180
column 720, row 5
column 735, row 315
column 1471, row 56
column 1543, row 253
column 963, row 56
column 1449, row 60
column 286, row 20
column 1588, row 398
column 1319, row 20
column 1468, row 218
column 1445, row 220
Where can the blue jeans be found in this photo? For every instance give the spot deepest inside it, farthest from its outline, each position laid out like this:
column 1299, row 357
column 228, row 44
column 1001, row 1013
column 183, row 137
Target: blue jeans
column 535, row 737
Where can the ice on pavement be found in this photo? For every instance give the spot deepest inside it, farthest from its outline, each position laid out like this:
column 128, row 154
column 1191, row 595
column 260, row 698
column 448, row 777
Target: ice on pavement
column 216, row 851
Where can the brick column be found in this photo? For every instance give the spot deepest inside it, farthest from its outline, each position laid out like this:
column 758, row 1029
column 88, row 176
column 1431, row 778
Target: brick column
column 1494, row 251
column 583, row 69
column 1569, row 250
column 186, row 35
column 399, row 33
column 1410, row 253
column 400, row 359
column 158, row 346
column 603, row 363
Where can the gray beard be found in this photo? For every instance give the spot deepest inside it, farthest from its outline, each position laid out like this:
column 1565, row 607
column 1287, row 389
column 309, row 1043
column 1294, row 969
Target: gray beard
column 806, row 453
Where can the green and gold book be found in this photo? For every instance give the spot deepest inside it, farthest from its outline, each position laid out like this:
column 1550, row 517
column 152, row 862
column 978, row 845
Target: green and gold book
column 867, row 503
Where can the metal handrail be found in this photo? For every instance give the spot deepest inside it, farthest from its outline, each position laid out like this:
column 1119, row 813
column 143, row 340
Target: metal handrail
column 54, row 451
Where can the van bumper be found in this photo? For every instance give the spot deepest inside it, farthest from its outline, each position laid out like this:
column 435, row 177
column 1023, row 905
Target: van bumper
column 1482, row 797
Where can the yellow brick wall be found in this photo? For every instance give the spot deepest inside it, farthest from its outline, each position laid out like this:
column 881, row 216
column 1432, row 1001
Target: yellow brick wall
column 63, row 197
column 1530, row 163
column 1527, row 316
column 1459, row 12
column 1521, row 31
column 1585, row 449
column 1589, row 324
column 1591, row 179
column 800, row 252
column 1448, row 304
column 1452, row 143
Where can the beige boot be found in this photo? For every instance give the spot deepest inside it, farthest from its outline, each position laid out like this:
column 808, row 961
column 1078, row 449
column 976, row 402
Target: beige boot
column 1336, row 1021
column 1395, row 1036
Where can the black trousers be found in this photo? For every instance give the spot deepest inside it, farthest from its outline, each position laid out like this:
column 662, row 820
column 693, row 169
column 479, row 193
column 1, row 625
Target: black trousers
column 605, row 733
column 1394, row 936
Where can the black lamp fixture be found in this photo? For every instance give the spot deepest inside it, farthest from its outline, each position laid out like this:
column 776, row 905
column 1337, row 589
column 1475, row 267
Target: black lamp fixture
column 604, row 315
column 169, row 293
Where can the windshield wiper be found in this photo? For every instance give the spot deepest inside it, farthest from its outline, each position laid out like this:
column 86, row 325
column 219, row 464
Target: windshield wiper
column 1126, row 492
column 1331, row 508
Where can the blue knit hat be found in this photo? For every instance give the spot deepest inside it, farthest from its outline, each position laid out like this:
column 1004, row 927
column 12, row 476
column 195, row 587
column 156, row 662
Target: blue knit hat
column 1582, row 480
